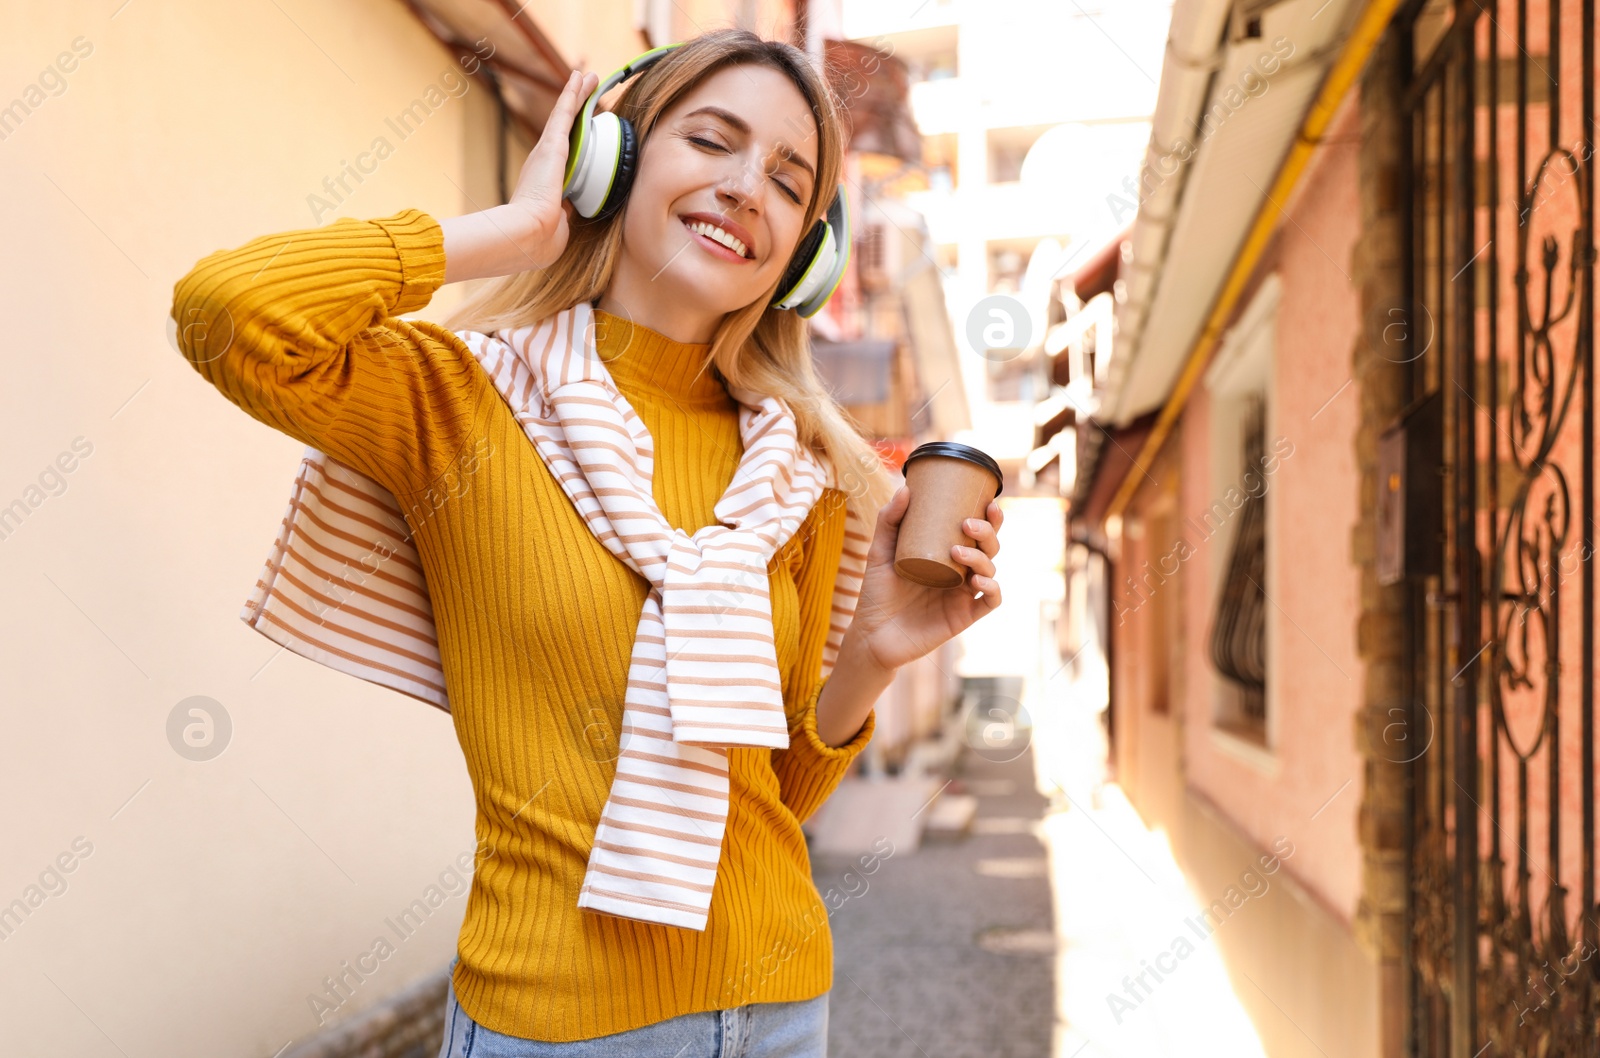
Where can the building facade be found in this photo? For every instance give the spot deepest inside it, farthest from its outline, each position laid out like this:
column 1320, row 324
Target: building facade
column 1335, row 515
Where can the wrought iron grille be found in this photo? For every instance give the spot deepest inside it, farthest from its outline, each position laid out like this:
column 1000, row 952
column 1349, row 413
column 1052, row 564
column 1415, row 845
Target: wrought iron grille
column 1239, row 633
column 1503, row 938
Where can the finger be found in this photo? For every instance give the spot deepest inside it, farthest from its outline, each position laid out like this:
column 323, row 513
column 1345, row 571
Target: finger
column 887, row 533
column 578, row 89
column 566, row 102
column 976, row 560
column 990, row 588
column 895, row 510
column 562, row 114
column 548, row 161
column 983, row 535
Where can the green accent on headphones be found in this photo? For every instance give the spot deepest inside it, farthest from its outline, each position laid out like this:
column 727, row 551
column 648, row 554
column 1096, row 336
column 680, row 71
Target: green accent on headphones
column 603, row 153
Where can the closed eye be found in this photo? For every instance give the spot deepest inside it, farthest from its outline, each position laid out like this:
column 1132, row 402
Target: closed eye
column 709, row 143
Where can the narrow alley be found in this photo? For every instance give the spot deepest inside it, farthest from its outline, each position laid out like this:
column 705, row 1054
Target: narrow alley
column 1023, row 935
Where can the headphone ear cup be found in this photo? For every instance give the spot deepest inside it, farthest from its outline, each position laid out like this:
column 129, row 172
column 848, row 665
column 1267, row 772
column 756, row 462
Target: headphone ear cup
column 627, row 163
column 801, row 262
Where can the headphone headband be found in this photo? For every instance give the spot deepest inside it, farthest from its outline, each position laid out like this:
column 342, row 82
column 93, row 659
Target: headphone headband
column 602, row 155
column 578, row 142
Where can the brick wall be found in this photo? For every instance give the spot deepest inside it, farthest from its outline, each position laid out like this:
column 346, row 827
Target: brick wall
column 1380, row 372
column 409, row 1024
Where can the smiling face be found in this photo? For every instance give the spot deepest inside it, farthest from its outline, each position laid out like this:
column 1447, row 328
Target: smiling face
column 717, row 206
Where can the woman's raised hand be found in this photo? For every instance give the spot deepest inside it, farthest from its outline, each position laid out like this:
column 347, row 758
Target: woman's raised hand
column 531, row 230
column 538, row 193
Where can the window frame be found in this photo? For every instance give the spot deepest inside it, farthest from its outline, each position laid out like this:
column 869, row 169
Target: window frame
column 1244, row 369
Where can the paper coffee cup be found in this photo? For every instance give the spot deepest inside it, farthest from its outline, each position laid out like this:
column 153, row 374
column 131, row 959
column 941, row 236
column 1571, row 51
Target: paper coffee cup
column 949, row 483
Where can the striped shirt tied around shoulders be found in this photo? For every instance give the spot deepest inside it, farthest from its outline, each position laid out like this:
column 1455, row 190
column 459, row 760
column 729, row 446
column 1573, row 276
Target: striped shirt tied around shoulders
column 703, row 677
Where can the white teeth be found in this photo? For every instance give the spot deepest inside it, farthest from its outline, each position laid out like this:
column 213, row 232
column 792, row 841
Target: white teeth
column 711, row 231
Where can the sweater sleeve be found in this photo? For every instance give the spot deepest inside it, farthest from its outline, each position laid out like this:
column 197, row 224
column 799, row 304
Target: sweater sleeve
column 298, row 330
column 809, row 770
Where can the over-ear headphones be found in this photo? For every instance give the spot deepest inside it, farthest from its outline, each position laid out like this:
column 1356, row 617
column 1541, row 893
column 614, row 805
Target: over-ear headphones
column 601, row 158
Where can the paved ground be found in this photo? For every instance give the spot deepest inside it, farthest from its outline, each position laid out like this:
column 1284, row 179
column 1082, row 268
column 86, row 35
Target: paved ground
column 1019, row 939
column 947, row 952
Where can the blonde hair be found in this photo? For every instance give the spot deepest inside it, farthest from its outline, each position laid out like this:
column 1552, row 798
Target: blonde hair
column 757, row 347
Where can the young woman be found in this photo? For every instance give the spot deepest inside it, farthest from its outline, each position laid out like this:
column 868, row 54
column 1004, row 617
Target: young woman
column 739, row 154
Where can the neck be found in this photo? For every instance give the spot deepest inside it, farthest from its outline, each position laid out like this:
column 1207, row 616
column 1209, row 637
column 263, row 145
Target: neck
column 673, row 317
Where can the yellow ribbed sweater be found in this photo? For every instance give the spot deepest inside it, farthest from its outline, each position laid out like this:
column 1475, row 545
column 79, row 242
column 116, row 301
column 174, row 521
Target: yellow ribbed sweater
column 536, row 621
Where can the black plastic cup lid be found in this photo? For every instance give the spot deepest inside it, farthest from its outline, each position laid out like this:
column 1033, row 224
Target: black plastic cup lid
column 956, row 450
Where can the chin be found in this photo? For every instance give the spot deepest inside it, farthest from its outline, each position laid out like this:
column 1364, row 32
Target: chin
column 709, row 292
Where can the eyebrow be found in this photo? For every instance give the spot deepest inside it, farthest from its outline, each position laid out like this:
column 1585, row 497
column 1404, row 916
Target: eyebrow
column 744, row 127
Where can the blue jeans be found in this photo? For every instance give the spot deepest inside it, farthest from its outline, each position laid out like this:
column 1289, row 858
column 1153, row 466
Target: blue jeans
column 756, row 1030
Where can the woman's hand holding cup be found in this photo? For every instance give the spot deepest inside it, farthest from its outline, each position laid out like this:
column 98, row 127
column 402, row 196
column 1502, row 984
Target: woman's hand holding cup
column 899, row 619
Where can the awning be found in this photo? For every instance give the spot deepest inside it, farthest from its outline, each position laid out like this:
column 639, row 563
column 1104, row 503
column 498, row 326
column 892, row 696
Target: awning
column 927, row 322
column 875, row 90
column 1098, row 275
column 1052, row 415
column 500, row 41
column 1107, row 454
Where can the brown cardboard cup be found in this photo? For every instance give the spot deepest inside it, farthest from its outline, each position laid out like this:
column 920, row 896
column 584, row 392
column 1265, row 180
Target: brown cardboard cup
column 949, row 483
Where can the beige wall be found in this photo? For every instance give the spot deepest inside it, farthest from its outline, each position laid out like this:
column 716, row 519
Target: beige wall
column 1309, row 989
column 597, row 37
column 204, row 901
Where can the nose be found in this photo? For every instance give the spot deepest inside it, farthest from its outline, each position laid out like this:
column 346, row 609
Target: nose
column 740, row 188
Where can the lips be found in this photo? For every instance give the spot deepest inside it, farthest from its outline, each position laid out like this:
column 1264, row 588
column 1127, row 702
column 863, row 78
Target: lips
column 712, row 245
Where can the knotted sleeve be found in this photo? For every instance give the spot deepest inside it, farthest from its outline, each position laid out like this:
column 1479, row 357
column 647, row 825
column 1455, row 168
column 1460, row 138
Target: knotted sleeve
column 298, row 330
column 809, row 769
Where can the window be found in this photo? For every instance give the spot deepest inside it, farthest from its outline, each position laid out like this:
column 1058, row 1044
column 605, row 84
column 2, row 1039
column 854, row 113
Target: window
column 939, row 158
column 933, row 66
column 870, row 259
column 1014, row 379
column 1162, row 629
column 1008, row 263
column 1235, row 523
column 1239, row 629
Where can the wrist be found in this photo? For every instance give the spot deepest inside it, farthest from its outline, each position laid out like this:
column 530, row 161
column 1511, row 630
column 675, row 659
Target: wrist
column 856, row 655
column 848, row 695
column 498, row 241
column 519, row 224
